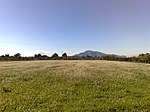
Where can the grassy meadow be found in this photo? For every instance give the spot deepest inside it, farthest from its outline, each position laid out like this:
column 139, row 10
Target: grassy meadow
column 74, row 86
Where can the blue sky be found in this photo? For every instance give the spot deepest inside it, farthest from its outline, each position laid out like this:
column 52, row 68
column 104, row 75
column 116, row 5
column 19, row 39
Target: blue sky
column 72, row 26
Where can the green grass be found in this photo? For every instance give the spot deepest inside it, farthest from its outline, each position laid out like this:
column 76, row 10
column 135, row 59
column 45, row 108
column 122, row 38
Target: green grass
column 73, row 86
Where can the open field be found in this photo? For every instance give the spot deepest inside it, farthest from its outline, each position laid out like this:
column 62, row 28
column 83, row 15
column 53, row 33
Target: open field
column 43, row 86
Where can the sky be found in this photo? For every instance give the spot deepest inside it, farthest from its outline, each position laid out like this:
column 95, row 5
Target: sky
column 48, row 26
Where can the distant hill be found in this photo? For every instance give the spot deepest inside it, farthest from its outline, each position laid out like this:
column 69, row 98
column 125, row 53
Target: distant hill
column 96, row 54
column 91, row 53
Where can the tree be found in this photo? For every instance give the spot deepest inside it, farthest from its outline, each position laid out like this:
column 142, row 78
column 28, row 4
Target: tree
column 64, row 55
column 17, row 55
column 2, row 56
column 55, row 56
column 6, row 55
column 37, row 55
column 44, row 56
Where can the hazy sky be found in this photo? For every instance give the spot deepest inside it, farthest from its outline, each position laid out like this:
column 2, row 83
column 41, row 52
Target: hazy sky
column 111, row 26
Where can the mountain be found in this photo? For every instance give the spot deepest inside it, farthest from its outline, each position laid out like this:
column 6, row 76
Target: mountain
column 97, row 54
column 91, row 53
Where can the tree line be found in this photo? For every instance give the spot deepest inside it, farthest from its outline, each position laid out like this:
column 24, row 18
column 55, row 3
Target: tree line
column 144, row 58
column 18, row 57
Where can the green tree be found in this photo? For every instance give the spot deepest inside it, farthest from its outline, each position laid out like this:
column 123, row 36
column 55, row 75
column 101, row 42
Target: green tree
column 37, row 55
column 55, row 56
column 6, row 55
column 64, row 55
column 17, row 55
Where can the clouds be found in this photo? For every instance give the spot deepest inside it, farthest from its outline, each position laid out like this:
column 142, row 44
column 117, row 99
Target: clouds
column 13, row 51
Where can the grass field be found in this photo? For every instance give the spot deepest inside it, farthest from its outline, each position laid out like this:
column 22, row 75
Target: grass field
column 74, row 86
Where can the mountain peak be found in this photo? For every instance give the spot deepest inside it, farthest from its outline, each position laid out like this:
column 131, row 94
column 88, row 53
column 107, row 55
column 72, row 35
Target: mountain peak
column 91, row 53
